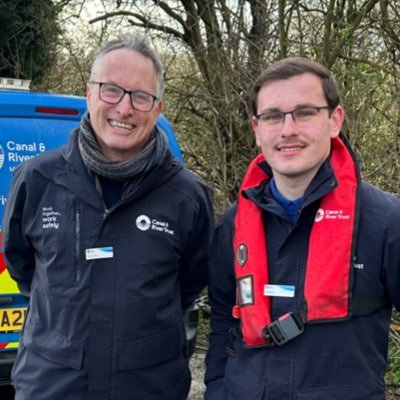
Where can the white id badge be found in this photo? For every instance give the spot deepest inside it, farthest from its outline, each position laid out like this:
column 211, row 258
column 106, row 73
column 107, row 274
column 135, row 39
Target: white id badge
column 279, row 290
column 99, row 253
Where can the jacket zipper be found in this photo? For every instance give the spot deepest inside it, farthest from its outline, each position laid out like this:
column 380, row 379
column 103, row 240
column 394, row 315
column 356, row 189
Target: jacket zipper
column 77, row 243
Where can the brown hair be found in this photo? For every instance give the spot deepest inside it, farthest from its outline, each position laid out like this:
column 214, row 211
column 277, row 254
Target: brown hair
column 292, row 66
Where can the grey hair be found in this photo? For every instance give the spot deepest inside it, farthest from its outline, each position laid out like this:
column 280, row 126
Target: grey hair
column 134, row 42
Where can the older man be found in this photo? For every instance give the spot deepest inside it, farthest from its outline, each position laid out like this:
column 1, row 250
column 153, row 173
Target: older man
column 125, row 254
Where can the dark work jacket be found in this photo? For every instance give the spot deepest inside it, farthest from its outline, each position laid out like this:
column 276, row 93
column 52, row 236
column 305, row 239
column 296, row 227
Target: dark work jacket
column 108, row 328
column 328, row 361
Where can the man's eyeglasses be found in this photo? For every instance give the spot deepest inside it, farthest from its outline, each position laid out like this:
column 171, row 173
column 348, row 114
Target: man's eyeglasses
column 301, row 116
column 113, row 94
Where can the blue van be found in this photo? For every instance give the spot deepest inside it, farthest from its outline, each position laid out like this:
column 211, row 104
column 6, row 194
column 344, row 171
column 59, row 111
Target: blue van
column 30, row 124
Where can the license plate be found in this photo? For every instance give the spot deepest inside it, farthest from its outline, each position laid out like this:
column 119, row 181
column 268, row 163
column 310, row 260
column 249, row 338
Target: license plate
column 11, row 319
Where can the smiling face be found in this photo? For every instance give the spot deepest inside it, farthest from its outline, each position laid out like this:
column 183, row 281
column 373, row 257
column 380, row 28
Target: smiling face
column 121, row 131
column 296, row 151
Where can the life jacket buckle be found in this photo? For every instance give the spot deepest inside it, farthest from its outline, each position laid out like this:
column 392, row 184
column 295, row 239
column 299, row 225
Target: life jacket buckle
column 285, row 328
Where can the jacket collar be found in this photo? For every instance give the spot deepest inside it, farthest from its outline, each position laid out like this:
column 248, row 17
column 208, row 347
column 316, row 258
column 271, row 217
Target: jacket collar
column 323, row 182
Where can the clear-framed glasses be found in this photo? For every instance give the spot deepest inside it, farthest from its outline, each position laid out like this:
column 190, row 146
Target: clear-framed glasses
column 301, row 116
column 113, row 94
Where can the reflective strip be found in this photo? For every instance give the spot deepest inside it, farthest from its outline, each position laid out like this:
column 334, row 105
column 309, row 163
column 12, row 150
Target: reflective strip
column 8, row 346
column 2, row 262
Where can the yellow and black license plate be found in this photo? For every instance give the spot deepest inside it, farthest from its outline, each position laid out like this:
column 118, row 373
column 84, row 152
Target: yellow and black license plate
column 11, row 319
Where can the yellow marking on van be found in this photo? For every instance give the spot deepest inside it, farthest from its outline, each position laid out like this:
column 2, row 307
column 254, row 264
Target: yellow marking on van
column 7, row 284
column 12, row 345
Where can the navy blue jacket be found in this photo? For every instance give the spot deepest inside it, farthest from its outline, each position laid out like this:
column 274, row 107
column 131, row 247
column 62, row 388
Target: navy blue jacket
column 328, row 361
column 108, row 328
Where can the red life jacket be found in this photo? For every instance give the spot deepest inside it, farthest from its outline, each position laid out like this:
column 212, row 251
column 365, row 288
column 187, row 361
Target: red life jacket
column 327, row 289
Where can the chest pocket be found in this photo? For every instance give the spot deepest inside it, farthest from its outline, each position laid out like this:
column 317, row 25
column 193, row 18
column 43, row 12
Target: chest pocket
column 59, row 237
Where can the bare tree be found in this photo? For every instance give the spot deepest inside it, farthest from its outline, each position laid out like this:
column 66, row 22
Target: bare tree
column 225, row 45
column 214, row 50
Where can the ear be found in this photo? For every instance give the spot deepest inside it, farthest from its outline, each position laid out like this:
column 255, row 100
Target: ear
column 159, row 106
column 256, row 129
column 336, row 121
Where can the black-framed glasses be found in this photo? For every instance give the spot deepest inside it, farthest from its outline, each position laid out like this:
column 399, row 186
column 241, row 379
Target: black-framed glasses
column 113, row 94
column 301, row 115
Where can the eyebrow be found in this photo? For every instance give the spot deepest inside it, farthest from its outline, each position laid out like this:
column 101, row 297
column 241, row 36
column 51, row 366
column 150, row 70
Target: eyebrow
column 301, row 105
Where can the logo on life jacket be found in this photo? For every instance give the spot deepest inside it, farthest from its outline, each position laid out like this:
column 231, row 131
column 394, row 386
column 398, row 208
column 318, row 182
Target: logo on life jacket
column 241, row 254
column 319, row 216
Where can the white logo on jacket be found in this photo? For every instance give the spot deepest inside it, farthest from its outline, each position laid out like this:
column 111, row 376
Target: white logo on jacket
column 50, row 218
column 330, row 215
column 144, row 223
column 1, row 156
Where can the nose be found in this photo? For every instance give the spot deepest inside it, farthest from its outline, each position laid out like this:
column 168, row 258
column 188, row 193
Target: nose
column 124, row 107
column 289, row 126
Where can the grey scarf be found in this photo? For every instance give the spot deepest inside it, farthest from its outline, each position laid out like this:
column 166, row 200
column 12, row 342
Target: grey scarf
column 93, row 158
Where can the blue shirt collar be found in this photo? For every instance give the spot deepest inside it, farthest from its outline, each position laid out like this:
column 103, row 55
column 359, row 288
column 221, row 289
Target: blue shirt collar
column 290, row 206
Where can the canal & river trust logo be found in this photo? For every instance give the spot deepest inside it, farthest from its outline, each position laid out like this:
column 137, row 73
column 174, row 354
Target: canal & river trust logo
column 1, row 156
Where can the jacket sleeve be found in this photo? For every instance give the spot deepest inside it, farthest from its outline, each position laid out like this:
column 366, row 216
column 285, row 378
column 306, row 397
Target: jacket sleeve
column 193, row 275
column 18, row 252
column 391, row 249
column 222, row 295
